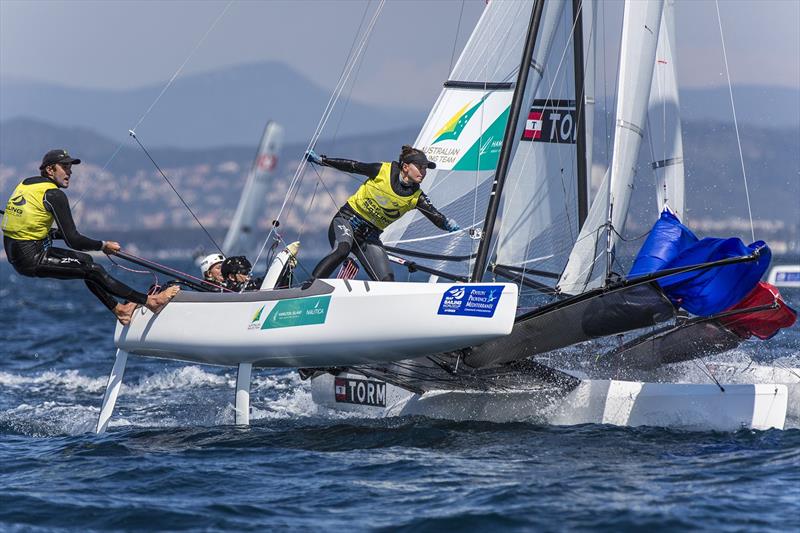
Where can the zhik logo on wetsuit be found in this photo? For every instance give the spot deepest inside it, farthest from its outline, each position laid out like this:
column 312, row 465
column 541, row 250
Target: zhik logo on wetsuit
column 19, row 201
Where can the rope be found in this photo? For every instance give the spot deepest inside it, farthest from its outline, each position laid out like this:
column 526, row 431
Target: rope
column 358, row 70
column 176, row 271
column 455, row 39
column 180, row 68
column 708, row 372
column 323, row 122
column 735, row 122
column 164, row 90
column 135, row 138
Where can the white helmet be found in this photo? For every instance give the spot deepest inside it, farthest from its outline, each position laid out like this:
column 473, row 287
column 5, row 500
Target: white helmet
column 209, row 261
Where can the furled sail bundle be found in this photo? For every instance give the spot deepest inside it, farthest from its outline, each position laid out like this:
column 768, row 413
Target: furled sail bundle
column 670, row 244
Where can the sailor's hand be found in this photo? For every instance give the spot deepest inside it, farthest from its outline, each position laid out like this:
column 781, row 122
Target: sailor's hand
column 451, row 225
column 110, row 247
column 312, row 157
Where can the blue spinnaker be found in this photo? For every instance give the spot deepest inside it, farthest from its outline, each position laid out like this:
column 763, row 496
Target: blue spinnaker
column 702, row 292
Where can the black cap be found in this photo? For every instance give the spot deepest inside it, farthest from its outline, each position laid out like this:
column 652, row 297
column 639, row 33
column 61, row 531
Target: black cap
column 419, row 159
column 58, row 156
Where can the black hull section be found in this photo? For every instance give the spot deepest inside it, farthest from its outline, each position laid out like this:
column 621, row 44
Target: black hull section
column 673, row 345
column 576, row 320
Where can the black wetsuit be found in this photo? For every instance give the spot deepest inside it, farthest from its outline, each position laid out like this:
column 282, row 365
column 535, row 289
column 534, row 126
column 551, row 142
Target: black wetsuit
column 39, row 259
column 349, row 231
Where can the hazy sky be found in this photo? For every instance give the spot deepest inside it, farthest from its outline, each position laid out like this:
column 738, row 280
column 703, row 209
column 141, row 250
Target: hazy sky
column 123, row 44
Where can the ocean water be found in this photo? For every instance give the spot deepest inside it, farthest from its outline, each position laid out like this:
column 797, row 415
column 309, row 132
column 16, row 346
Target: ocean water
column 173, row 460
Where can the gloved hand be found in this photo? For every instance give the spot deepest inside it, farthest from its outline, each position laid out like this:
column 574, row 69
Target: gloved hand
column 312, row 157
column 451, row 225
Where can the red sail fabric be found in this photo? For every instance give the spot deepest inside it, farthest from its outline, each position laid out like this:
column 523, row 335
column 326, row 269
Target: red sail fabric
column 763, row 324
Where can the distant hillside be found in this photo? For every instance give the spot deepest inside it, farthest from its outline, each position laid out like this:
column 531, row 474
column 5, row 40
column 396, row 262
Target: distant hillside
column 229, row 107
column 132, row 195
column 225, row 107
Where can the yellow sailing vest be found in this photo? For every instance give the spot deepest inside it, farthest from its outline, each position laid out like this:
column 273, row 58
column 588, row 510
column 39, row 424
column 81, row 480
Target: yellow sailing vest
column 26, row 219
column 377, row 203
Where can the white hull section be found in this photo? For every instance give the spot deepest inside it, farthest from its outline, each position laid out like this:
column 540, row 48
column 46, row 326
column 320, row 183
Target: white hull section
column 620, row 403
column 332, row 323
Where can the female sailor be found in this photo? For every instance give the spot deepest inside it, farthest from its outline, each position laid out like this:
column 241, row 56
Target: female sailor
column 391, row 190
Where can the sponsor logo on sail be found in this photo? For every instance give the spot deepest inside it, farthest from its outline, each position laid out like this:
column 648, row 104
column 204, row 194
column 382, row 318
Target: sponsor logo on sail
column 551, row 121
column 360, row 391
column 453, row 127
column 474, row 300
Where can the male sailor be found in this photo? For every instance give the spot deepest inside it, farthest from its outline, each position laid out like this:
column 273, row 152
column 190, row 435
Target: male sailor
column 211, row 268
column 30, row 212
column 391, row 190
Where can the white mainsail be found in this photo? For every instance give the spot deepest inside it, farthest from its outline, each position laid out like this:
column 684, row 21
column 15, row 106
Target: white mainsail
column 463, row 135
column 641, row 24
column 664, row 122
column 242, row 237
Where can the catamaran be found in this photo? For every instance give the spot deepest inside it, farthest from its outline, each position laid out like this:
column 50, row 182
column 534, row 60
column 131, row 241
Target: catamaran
column 510, row 133
column 551, row 241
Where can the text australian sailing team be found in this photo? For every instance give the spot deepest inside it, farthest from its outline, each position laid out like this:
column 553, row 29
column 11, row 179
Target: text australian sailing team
column 391, row 190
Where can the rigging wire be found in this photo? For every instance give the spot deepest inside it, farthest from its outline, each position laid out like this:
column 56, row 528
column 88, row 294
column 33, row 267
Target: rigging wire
column 180, row 68
column 163, row 90
column 323, row 122
column 135, row 138
column 455, row 39
column 344, row 109
column 735, row 122
column 355, row 78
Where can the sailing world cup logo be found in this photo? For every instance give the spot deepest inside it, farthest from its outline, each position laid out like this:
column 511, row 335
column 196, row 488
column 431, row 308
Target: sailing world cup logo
column 472, row 300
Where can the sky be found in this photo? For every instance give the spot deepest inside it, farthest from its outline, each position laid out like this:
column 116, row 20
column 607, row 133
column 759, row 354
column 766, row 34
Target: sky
column 126, row 44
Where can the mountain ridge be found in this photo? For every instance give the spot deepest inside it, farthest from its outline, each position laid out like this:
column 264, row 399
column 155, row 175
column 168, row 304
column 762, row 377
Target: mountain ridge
column 228, row 106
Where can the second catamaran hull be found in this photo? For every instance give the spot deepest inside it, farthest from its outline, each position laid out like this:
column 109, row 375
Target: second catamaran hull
column 623, row 403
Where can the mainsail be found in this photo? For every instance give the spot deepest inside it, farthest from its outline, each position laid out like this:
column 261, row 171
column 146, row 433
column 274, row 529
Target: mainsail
column 243, row 237
column 640, row 37
column 539, row 216
column 463, row 135
column 664, row 122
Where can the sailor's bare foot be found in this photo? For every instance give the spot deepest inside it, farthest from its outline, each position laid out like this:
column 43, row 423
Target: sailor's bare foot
column 157, row 302
column 124, row 312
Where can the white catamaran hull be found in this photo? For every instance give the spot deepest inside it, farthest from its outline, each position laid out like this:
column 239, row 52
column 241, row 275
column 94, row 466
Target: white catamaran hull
column 621, row 403
column 332, row 323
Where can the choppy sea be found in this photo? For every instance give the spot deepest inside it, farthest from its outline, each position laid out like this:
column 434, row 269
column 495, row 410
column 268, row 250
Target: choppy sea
column 173, row 460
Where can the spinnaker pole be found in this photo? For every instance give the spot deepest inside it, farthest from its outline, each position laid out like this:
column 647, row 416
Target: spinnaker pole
column 504, row 158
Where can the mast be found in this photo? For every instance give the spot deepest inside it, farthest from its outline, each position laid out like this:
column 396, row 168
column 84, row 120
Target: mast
column 580, row 142
column 508, row 142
